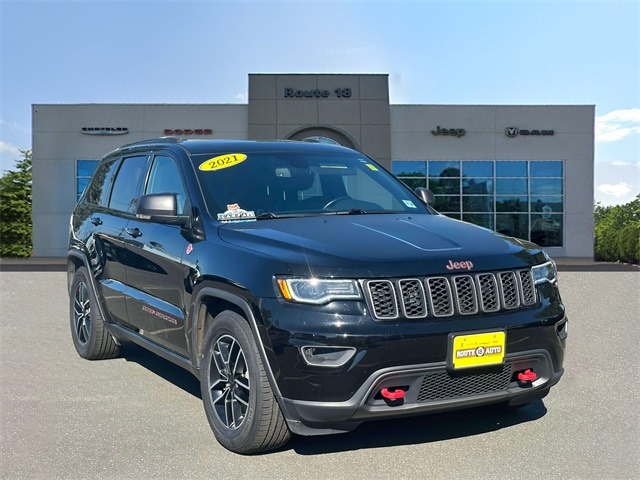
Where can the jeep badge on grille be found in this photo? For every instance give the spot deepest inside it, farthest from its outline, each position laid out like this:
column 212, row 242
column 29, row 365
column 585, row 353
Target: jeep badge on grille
column 466, row 265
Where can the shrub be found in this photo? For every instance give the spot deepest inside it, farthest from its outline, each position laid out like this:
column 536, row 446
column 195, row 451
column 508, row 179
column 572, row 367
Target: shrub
column 16, row 228
column 617, row 232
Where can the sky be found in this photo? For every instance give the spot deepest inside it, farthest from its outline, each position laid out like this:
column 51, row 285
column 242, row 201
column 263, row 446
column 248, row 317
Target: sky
column 454, row 52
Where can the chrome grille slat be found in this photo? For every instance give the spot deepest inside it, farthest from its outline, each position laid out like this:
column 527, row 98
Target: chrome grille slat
column 440, row 296
column 527, row 290
column 488, row 291
column 464, row 290
column 382, row 296
column 509, row 290
column 412, row 298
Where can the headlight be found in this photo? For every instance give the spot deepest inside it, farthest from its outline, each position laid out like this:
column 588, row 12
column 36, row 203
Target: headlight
column 318, row 290
column 545, row 272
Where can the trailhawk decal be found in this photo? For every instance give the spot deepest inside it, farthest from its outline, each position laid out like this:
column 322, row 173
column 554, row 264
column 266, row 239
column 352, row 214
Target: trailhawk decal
column 222, row 161
column 235, row 214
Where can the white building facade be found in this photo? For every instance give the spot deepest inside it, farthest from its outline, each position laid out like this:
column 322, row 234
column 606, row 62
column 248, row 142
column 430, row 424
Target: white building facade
column 526, row 171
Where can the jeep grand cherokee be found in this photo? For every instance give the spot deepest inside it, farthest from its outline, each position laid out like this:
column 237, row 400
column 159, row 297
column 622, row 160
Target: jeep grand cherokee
column 306, row 288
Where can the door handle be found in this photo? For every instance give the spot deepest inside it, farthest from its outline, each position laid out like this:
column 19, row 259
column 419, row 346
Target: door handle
column 134, row 232
column 96, row 220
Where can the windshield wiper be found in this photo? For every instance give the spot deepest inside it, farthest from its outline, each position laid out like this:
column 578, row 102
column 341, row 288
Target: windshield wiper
column 353, row 211
column 266, row 215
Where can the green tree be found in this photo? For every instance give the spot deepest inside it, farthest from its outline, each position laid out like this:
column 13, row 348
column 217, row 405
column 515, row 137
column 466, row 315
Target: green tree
column 617, row 230
column 16, row 228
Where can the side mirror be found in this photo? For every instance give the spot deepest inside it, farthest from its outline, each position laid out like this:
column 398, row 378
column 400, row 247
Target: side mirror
column 160, row 208
column 426, row 196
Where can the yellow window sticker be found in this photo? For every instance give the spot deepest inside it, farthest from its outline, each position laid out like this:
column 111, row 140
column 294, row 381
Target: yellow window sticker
column 372, row 167
column 222, row 161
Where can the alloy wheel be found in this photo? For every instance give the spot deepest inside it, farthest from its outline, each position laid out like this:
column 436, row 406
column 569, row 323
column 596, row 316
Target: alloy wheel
column 228, row 386
column 82, row 313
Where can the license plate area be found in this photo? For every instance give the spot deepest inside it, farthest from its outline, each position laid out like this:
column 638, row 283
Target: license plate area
column 471, row 350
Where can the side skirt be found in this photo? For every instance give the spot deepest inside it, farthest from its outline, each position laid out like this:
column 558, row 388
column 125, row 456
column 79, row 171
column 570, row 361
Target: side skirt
column 123, row 334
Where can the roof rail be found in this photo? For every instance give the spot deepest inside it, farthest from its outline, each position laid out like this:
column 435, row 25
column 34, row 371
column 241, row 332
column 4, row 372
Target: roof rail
column 155, row 140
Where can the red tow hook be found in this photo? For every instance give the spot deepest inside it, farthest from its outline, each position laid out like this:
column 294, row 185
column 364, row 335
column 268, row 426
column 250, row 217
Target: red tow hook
column 527, row 376
column 392, row 394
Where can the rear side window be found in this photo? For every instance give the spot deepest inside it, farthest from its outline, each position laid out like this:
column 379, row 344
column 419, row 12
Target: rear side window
column 126, row 186
column 98, row 192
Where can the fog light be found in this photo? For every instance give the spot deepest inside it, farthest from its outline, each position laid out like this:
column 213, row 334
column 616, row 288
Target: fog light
column 321, row 356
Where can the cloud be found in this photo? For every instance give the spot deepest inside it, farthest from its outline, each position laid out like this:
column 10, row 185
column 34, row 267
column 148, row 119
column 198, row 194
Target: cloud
column 623, row 163
column 13, row 126
column 242, row 97
column 616, row 125
column 8, row 148
column 617, row 190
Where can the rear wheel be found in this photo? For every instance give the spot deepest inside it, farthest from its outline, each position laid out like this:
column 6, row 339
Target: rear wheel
column 90, row 336
column 240, row 406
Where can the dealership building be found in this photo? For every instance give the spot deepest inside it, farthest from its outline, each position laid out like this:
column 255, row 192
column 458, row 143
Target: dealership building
column 523, row 170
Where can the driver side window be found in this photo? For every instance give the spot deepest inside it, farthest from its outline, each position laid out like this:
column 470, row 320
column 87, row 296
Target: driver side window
column 165, row 178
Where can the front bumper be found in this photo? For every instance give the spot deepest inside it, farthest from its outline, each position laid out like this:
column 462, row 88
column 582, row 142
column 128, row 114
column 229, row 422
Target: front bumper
column 411, row 355
column 428, row 388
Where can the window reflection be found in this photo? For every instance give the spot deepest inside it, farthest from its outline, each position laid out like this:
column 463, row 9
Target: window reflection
column 541, row 204
column 548, row 186
column 545, row 169
column 414, row 183
column 477, row 186
column 513, row 224
column 477, row 169
column 439, row 186
column 477, row 203
column 408, row 168
column 446, row 203
column 444, row 169
column 516, row 197
column 512, row 204
column 546, row 229
column 511, row 169
column 511, row 185
column 482, row 219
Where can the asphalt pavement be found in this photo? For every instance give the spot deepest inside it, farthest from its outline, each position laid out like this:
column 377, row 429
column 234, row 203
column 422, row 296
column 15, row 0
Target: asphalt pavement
column 139, row 417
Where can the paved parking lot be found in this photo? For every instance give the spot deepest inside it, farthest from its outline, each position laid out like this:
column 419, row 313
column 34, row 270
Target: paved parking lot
column 139, row 417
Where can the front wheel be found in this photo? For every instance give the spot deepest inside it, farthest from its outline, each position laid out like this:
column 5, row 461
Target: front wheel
column 240, row 406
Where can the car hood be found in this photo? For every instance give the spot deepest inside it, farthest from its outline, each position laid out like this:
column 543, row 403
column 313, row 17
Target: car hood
column 376, row 245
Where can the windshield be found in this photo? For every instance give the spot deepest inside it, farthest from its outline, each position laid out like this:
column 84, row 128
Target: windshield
column 276, row 184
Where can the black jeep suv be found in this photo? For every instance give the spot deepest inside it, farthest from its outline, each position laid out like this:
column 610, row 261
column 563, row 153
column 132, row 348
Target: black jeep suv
column 306, row 288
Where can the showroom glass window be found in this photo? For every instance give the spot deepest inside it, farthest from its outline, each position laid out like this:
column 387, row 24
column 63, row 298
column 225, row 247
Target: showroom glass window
column 521, row 198
column 84, row 170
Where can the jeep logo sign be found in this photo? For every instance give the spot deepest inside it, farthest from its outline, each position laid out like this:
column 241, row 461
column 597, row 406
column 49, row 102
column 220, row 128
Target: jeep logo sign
column 448, row 132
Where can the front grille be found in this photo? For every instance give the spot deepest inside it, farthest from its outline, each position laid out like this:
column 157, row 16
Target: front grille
column 445, row 386
column 416, row 298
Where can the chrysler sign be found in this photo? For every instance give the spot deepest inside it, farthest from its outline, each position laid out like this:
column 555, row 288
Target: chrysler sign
column 105, row 130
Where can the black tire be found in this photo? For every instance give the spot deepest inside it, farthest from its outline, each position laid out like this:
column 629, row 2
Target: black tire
column 89, row 334
column 240, row 406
